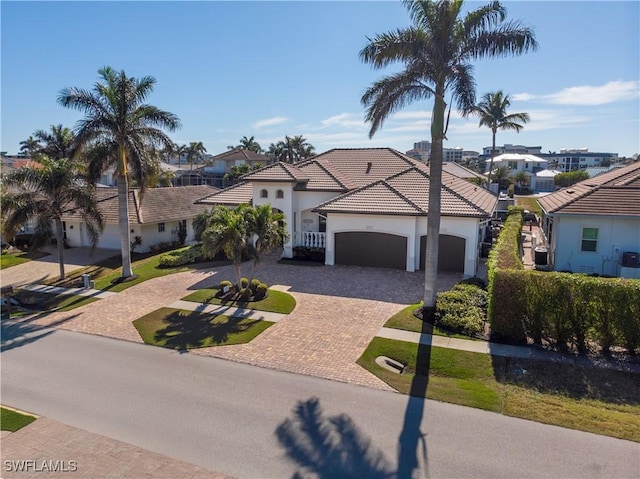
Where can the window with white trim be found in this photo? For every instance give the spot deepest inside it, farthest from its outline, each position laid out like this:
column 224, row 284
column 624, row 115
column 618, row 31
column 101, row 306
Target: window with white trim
column 264, row 194
column 160, row 227
column 589, row 239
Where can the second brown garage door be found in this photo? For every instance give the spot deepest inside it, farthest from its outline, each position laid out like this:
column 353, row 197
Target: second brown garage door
column 450, row 253
column 380, row 250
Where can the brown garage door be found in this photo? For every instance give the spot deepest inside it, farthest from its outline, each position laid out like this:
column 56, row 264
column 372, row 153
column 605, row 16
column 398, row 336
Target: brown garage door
column 381, row 250
column 450, row 253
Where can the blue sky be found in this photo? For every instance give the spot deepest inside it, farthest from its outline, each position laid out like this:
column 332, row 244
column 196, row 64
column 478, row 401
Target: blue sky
column 269, row 69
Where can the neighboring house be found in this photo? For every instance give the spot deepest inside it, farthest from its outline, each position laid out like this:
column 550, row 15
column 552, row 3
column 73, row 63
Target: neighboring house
column 517, row 163
column 545, row 181
column 569, row 159
column 154, row 216
column 369, row 207
column 594, row 225
column 218, row 166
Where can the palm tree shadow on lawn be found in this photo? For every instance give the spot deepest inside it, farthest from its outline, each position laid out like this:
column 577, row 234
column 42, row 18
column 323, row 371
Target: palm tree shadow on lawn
column 187, row 330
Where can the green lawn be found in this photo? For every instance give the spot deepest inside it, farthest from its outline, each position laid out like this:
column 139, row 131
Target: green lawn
column 11, row 420
column 406, row 321
column 275, row 302
column 589, row 399
column 182, row 330
column 529, row 203
column 8, row 260
column 105, row 272
column 49, row 301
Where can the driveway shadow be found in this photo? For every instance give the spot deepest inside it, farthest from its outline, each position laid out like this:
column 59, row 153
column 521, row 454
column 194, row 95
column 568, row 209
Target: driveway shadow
column 329, row 446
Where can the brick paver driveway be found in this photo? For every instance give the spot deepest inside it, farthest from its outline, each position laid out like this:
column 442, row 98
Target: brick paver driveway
column 339, row 310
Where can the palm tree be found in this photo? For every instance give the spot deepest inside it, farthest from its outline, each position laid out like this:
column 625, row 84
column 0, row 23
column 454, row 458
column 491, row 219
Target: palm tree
column 44, row 194
column 30, row 146
column 492, row 110
column 291, row 149
column 228, row 231
column 178, row 150
column 250, row 144
column 195, row 150
column 120, row 128
column 437, row 51
column 521, row 178
column 57, row 143
column 501, row 175
column 301, row 147
column 269, row 229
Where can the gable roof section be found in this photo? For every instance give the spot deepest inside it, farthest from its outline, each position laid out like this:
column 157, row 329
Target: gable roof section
column 362, row 166
column 460, row 171
column 615, row 193
column 323, row 176
column 155, row 206
column 277, row 172
column 231, row 196
column 407, row 193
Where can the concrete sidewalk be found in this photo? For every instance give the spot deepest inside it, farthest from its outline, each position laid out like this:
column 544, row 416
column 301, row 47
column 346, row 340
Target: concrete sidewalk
column 43, row 288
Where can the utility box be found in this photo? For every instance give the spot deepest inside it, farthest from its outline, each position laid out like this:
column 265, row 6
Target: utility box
column 540, row 257
column 86, row 281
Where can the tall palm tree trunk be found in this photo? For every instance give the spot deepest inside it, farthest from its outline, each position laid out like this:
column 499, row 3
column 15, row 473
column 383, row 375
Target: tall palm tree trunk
column 433, row 218
column 60, row 244
column 123, row 215
column 493, row 154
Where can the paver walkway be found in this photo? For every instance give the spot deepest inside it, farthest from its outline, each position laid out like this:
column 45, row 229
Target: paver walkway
column 86, row 455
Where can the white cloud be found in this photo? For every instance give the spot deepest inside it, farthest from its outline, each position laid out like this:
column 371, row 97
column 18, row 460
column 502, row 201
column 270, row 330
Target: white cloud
column 587, row 95
column 344, row 120
column 276, row 120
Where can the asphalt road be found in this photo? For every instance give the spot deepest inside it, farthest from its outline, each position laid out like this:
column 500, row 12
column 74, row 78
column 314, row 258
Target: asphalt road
column 251, row 422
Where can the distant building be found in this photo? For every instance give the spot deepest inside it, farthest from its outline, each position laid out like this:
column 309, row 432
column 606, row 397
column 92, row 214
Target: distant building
column 509, row 148
column 569, row 159
column 422, row 151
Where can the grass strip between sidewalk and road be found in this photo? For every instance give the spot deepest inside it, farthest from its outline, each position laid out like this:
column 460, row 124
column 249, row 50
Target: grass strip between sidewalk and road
column 13, row 259
column 275, row 302
column 11, row 420
column 597, row 400
column 182, row 330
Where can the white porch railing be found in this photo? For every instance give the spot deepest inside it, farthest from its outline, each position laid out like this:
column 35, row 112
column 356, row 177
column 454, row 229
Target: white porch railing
column 310, row 239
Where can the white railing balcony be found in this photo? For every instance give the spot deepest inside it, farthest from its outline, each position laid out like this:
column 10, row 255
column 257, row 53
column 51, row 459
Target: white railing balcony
column 310, row 239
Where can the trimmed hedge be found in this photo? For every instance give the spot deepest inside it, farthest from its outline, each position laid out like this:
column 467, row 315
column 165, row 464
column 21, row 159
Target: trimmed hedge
column 181, row 257
column 566, row 308
column 562, row 308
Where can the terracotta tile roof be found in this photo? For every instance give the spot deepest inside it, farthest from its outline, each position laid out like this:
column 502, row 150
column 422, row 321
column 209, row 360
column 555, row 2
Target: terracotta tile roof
column 246, row 155
column 323, row 176
column 376, row 198
column 407, row 193
column 362, row 166
column 460, row 171
column 277, row 172
column 231, row 196
column 155, row 206
column 616, row 192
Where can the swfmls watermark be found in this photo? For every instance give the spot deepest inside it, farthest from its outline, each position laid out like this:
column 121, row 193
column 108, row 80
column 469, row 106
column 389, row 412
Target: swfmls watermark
column 39, row 465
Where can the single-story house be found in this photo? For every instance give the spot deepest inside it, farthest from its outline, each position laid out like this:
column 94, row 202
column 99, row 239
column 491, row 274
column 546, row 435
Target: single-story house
column 594, row 225
column 369, row 207
column 154, row 216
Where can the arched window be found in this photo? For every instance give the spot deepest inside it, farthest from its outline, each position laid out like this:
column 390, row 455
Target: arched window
column 264, row 194
column 279, row 194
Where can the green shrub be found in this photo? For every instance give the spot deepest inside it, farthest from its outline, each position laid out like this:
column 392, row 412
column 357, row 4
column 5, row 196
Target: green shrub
column 261, row 290
column 245, row 294
column 181, row 257
column 254, row 284
column 475, row 281
column 463, row 308
column 244, row 283
column 225, row 284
